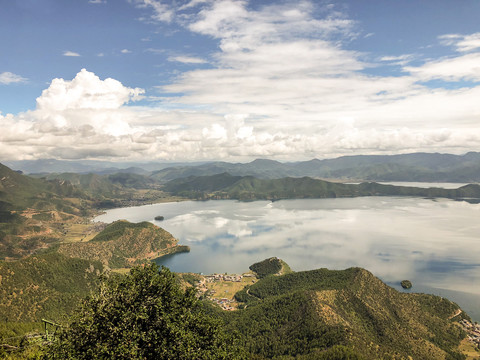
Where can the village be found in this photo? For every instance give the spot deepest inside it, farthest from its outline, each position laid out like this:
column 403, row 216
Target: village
column 221, row 288
column 473, row 331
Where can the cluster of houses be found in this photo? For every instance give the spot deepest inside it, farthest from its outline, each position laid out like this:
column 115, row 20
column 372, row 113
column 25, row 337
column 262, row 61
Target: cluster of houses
column 224, row 303
column 221, row 277
column 473, row 331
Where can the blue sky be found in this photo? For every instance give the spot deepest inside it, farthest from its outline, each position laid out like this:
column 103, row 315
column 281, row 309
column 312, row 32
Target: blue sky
column 237, row 80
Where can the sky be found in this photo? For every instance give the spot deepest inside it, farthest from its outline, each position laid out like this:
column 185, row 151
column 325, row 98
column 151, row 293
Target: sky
column 235, row 80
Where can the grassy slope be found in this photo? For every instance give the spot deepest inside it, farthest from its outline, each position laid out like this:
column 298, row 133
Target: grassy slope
column 32, row 211
column 123, row 244
column 45, row 286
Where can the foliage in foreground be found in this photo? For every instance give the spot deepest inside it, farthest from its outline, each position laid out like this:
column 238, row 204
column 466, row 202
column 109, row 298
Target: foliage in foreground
column 144, row 315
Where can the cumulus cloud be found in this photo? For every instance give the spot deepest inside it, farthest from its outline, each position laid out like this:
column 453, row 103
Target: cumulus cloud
column 85, row 116
column 7, row 78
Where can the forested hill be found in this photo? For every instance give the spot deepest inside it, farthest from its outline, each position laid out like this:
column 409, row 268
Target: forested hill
column 47, row 285
column 308, row 314
column 18, row 192
column 226, row 186
column 37, row 212
column 124, row 244
column 31, row 211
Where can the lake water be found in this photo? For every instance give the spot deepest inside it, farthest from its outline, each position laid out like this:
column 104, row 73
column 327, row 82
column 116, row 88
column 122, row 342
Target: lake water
column 433, row 243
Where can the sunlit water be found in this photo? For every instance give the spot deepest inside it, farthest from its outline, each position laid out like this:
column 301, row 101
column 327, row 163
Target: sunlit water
column 433, row 243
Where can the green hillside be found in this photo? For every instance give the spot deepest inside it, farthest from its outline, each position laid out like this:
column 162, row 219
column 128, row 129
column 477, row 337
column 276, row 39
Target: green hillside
column 45, row 286
column 21, row 192
column 271, row 266
column 32, row 211
column 226, row 186
column 124, row 244
column 301, row 315
column 38, row 212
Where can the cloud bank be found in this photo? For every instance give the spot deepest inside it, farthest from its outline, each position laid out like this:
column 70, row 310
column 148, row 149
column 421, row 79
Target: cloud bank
column 282, row 85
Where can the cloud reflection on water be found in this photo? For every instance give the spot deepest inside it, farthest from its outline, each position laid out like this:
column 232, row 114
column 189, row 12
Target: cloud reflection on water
column 431, row 242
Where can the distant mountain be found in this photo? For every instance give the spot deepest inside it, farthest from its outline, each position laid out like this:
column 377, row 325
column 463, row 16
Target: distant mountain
column 226, row 186
column 105, row 185
column 429, row 167
column 44, row 166
column 343, row 314
column 22, row 191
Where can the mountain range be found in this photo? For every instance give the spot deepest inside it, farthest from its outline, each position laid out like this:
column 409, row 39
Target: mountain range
column 429, row 167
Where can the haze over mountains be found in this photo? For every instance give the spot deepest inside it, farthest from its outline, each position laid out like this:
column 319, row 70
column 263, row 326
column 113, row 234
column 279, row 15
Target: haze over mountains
column 428, row 167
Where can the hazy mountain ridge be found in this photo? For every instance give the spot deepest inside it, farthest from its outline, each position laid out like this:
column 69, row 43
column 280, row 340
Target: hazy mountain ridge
column 410, row 167
column 429, row 167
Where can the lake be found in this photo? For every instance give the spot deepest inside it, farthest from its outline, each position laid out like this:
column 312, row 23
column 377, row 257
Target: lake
column 433, row 243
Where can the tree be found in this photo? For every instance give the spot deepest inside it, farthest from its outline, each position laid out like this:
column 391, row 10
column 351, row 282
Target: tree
column 144, row 315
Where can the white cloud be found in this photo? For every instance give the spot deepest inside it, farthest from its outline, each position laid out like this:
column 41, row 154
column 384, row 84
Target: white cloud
column 70, row 53
column 192, row 3
column 463, row 43
column 155, row 51
column 397, row 60
column 162, row 11
column 7, row 78
column 97, row 1
column 84, row 103
column 125, row 51
column 85, row 91
column 464, row 67
column 187, row 59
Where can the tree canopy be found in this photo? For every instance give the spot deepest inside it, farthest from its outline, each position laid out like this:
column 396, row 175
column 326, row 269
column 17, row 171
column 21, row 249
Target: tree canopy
column 144, row 315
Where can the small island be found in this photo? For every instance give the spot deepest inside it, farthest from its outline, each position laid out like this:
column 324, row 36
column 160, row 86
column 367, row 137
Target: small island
column 406, row 284
column 159, row 218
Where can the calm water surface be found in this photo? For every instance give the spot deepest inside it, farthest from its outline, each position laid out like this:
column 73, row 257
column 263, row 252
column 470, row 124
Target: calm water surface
column 433, row 243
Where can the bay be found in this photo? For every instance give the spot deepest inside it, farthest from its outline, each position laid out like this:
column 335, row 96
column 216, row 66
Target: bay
column 433, row 243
